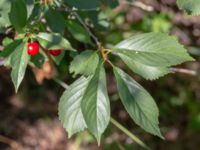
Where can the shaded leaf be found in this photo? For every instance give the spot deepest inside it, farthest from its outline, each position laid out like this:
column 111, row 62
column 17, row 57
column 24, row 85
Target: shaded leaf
column 84, row 63
column 10, row 48
column 138, row 103
column 30, row 7
column 78, row 32
column 38, row 60
column 18, row 14
column 19, row 60
column 112, row 3
column 51, row 16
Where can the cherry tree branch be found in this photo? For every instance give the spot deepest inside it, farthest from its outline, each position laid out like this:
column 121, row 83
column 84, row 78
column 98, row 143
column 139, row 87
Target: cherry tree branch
column 61, row 83
column 13, row 144
column 113, row 121
column 83, row 24
column 184, row 71
column 128, row 133
column 86, row 28
column 140, row 5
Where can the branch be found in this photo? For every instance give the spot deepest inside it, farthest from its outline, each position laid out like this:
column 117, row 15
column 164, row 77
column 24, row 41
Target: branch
column 128, row 133
column 13, row 144
column 61, row 83
column 114, row 122
column 184, row 71
column 86, row 28
column 140, row 5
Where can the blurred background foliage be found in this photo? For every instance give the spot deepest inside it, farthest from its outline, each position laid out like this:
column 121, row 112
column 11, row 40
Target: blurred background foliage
column 29, row 119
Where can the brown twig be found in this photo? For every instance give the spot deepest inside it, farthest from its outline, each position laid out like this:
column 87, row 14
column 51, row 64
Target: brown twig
column 61, row 83
column 9, row 142
column 83, row 24
column 184, row 71
column 86, row 28
column 140, row 5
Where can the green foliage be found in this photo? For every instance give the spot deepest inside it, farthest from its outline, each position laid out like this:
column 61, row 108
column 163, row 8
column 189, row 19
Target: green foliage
column 95, row 104
column 112, row 3
column 85, row 105
column 70, row 113
column 151, row 49
column 192, row 7
column 29, row 7
column 138, row 103
column 148, row 55
column 88, row 96
column 78, row 32
column 4, row 10
column 19, row 60
column 80, row 4
column 10, row 48
column 59, row 58
column 146, row 71
column 156, row 23
column 18, row 14
column 53, row 41
column 51, row 15
column 85, row 63
column 38, row 60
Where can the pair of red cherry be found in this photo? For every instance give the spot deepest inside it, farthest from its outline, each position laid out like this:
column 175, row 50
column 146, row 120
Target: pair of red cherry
column 33, row 49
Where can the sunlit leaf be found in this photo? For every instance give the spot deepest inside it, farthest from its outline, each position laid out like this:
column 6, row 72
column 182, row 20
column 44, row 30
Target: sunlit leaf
column 53, row 41
column 69, row 109
column 153, row 49
column 95, row 104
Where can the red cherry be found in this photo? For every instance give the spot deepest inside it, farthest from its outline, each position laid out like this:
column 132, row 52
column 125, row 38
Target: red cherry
column 55, row 52
column 33, row 48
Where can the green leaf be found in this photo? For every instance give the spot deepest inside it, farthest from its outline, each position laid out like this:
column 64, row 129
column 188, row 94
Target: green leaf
column 29, row 7
column 85, row 104
column 95, row 104
column 153, row 49
column 35, row 12
column 84, row 63
column 69, row 109
column 138, row 103
column 146, row 71
column 38, row 60
column 112, row 3
column 10, row 48
column 6, row 41
column 78, row 32
column 192, row 7
column 55, row 20
column 53, row 41
column 5, row 6
column 80, row 4
column 19, row 60
column 18, row 14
